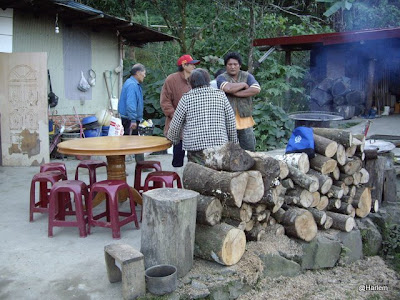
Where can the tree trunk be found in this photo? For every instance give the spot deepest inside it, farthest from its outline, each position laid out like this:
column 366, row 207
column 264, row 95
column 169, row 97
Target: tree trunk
column 209, row 210
column 325, row 182
column 303, row 180
column 323, row 164
column 276, row 229
column 306, row 197
column 254, row 188
column 328, row 223
column 341, row 222
column 338, row 135
column 243, row 213
column 169, row 217
column 270, row 170
column 340, row 155
column 299, row 161
column 323, row 203
column 221, row 243
column 287, row 183
column 324, row 146
column 319, row 216
column 376, row 170
column 352, row 165
column 225, row 186
column 335, row 192
column 298, row 223
column 362, row 202
column 284, row 171
column 229, row 157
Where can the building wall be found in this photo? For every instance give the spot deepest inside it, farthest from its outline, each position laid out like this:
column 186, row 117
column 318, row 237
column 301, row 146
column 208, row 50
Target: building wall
column 6, row 30
column 37, row 34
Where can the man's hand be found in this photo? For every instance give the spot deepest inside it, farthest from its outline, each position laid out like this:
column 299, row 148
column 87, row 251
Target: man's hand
column 133, row 125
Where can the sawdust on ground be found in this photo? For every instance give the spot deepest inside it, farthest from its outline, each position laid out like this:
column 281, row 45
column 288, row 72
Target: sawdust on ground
column 368, row 278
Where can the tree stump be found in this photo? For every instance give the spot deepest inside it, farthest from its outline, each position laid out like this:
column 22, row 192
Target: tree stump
column 168, row 228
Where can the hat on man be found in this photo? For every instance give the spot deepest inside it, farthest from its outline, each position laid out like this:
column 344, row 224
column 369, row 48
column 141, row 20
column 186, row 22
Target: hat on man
column 187, row 59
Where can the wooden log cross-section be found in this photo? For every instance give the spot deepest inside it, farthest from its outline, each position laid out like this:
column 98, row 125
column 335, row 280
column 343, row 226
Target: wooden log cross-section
column 325, row 146
column 221, row 243
column 298, row 222
column 209, row 210
column 223, row 185
column 323, row 164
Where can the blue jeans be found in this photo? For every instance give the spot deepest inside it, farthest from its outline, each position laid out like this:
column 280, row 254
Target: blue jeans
column 247, row 139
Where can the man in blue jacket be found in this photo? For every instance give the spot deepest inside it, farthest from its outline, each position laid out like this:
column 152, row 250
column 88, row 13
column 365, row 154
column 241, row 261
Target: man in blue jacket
column 130, row 105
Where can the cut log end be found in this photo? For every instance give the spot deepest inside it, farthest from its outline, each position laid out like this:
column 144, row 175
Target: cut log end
column 306, row 227
column 233, row 247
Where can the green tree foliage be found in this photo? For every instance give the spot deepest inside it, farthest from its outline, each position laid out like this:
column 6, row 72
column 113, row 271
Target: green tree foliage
column 210, row 30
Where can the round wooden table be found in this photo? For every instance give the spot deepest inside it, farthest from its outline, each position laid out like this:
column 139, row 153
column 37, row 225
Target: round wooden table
column 115, row 148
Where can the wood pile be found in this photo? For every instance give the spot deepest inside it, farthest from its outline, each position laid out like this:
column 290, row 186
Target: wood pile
column 339, row 96
column 291, row 194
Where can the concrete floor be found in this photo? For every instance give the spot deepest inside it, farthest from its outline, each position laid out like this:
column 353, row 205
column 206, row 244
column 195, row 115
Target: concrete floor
column 33, row 266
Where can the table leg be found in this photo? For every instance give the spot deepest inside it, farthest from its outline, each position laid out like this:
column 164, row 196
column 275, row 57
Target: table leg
column 116, row 170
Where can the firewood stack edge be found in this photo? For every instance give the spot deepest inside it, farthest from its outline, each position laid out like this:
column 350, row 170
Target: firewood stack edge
column 246, row 194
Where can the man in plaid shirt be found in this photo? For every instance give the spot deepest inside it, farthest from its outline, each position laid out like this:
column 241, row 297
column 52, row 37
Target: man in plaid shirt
column 205, row 117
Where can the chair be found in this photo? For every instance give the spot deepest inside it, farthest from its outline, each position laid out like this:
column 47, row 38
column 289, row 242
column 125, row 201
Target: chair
column 162, row 177
column 42, row 205
column 111, row 188
column 59, row 195
column 92, row 166
column 60, row 166
column 140, row 166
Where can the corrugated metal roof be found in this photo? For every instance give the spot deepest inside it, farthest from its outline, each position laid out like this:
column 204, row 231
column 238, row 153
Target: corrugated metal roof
column 71, row 13
column 307, row 42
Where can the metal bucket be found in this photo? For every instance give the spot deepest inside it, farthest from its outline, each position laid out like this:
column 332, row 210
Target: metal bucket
column 321, row 119
column 161, row 279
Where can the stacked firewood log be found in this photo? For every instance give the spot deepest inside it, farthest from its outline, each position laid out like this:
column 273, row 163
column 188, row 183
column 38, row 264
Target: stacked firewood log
column 258, row 192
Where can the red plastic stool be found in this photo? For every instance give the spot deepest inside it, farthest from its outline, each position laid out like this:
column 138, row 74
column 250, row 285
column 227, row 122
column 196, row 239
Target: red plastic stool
column 112, row 214
column 146, row 164
column 59, row 196
column 60, row 166
column 44, row 177
column 165, row 177
column 91, row 165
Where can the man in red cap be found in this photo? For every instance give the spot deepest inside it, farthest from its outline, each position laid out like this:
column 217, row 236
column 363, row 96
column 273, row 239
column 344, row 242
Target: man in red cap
column 174, row 87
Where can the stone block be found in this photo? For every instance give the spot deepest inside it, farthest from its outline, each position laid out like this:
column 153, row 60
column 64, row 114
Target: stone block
column 276, row 265
column 370, row 235
column 320, row 253
column 132, row 273
column 351, row 246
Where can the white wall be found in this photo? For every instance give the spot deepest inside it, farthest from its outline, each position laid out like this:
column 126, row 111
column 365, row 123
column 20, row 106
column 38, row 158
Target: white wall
column 6, row 30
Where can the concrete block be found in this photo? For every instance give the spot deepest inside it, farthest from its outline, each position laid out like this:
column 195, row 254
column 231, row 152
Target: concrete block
column 132, row 273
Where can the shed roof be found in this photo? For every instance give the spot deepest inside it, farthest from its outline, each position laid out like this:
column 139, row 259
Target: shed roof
column 71, row 13
column 307, row 42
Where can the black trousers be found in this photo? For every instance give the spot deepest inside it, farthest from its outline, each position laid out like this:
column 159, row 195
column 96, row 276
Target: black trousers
column 127, row 131
column 178, row 155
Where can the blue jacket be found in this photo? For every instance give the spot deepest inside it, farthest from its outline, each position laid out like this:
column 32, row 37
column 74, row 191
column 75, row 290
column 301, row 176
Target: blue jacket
column 130, row 105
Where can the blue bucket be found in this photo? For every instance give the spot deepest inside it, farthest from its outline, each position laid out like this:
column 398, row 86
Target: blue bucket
column 92, row 132
column 104, row 130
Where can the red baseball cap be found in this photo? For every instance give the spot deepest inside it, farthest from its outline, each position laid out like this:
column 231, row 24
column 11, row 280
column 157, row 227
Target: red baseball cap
column 187, row 59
